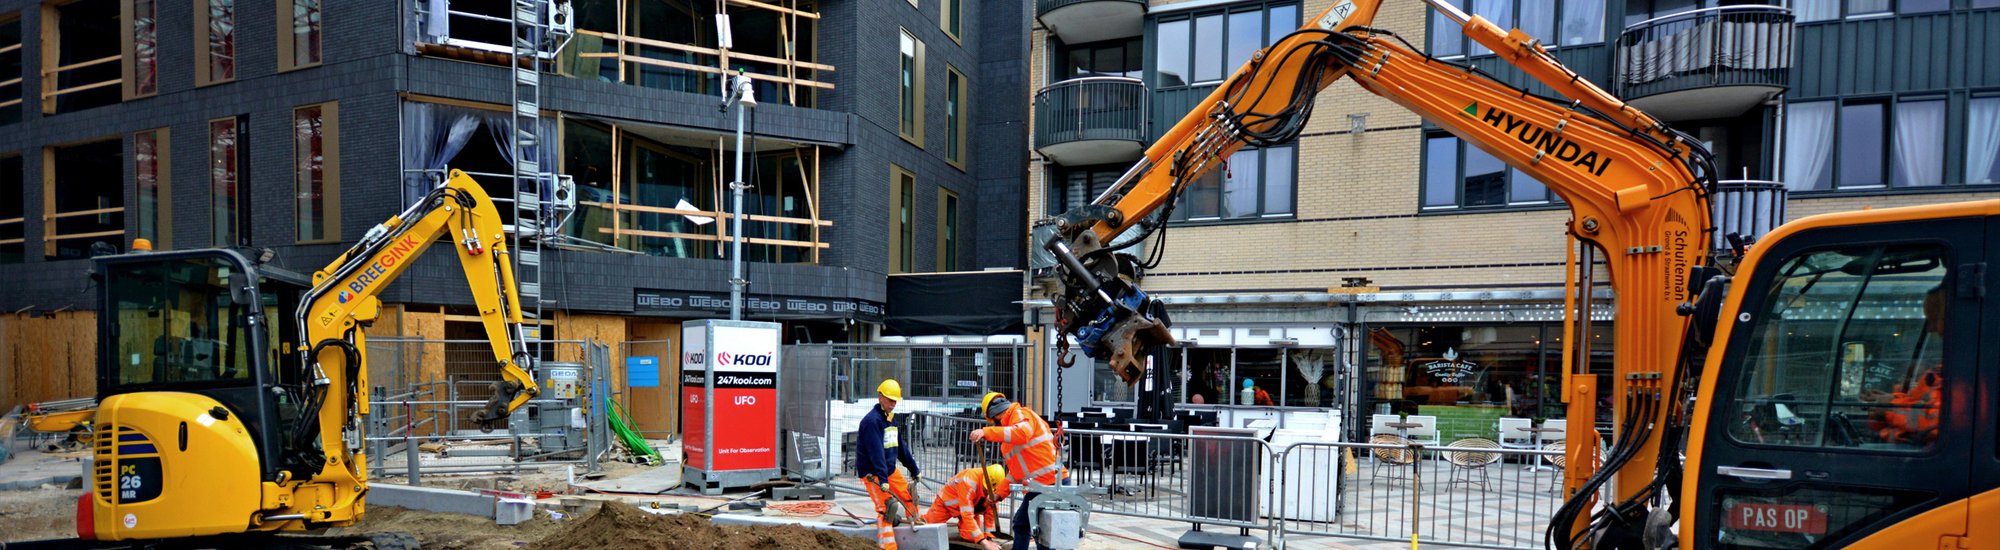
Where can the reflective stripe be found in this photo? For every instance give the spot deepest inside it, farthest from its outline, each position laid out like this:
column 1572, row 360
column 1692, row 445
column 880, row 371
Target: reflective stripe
column 950, row 502
column 1044, row 438
column 1045, row 470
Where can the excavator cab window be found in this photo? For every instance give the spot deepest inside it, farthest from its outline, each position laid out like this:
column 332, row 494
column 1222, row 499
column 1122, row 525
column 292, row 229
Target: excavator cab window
column 178, row 325
column 1840, row 385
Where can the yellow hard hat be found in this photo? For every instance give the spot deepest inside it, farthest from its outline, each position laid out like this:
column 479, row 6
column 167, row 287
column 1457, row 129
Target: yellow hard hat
column 996, row 477
column 993, row 403
column 890, row 389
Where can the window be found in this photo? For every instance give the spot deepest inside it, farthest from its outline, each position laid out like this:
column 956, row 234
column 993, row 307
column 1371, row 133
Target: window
column 1122, row 57
column 956, row 117
column 666, row 45
column 1828, row 10
column 316, row 171
column 1203, row 48
column 951, row 17
column 1867, row 144
column 10, row 69
column 298, row 34
column 947, row 243
column 142, row 68
column 902, row 221
column 225, row 196
column 1073, row 186
column 84, row 189
column 82, row 60
column 215, row 33
column 1459, row 175
column 1253, row 183
column 1556, row 23
column 1982, row 140
column 1848, row 334
column 13, row 209
column 912, row 120
column 150, row 178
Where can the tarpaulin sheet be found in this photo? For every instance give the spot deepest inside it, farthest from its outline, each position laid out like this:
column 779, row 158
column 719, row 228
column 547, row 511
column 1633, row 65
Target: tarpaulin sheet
column 980, row 303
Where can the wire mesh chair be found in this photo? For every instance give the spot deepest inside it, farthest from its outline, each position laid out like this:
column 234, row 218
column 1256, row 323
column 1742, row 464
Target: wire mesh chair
column 1470, row 461
column 1394, row 459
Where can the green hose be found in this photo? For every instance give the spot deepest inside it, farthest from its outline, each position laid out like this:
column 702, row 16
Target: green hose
column 637, row 445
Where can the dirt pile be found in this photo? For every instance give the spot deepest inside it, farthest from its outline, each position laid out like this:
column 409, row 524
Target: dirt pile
column 618, row 525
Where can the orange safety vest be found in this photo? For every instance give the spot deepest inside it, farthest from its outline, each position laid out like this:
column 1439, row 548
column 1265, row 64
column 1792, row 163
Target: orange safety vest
column 1914, row 419
column 1027, row 447
column 964, row 497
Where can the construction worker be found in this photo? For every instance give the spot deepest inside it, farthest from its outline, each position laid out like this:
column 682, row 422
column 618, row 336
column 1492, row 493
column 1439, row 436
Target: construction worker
column 878, row 447
column 973, row 496
column 1027, row 448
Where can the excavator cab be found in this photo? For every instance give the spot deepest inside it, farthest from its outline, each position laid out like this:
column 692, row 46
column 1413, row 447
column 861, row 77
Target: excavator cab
column 1850, row 405
column 191, row 376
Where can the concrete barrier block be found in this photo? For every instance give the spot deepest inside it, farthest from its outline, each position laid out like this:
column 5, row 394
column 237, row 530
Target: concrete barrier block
column 431, row 499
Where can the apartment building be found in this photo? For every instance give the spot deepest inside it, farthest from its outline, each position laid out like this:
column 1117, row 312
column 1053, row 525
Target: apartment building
column 296, row 125
column 1380, row 264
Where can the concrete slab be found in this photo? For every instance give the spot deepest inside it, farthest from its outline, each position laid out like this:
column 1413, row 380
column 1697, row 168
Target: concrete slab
column 917, row 537
column 431, row 499
column 32, row 468
column 653, row 481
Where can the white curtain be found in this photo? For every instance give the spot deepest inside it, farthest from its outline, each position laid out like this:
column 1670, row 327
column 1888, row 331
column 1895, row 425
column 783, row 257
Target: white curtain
column 437, row 26
column 1240, row 184
column 1982, row 139
column 1919, row 144
column 1816, row 10
column 1808, row 145
column 1582, row 22
column 432, row 135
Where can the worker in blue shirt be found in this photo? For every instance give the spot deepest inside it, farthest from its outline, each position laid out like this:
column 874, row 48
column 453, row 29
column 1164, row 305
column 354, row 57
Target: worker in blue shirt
column 878, row 447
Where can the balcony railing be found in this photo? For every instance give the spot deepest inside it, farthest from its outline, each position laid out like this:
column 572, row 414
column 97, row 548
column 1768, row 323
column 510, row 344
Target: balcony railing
column 1091, row 120
column 1085, row 21
column 1729, row 46
column 1749, row 208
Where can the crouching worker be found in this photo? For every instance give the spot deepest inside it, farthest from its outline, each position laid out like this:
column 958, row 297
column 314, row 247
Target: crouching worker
column 973, row 496
column 878, row 447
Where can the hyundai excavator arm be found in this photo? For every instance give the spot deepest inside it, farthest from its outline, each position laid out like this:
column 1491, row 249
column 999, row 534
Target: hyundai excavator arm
column 1635, row 188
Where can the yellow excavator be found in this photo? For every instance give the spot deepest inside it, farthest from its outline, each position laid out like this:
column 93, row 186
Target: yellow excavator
column 231, row 392
column 1836, row 389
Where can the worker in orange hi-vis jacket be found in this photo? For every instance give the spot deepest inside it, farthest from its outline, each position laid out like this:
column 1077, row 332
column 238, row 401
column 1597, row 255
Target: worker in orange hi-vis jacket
column 1027, row 448
column 973, row 496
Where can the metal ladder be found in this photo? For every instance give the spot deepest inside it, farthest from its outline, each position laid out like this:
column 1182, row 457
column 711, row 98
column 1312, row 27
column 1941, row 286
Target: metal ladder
column 530, row 217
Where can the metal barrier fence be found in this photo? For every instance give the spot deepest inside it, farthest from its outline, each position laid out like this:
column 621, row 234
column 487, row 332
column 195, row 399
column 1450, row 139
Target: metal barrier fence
column 566, row 425
column 827, row 388
column 1462, row 495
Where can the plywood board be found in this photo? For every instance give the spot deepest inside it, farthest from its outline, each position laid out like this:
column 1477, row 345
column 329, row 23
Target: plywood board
column 654, row 409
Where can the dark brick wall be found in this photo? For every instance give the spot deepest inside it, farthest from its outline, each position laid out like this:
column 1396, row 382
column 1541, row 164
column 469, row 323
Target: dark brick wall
column 366, row 69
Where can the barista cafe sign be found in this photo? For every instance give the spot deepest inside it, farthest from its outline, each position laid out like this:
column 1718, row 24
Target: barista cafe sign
column 1450, row 370
column 701, row 304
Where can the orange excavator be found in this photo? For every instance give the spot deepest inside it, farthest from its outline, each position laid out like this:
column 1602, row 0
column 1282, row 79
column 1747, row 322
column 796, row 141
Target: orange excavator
column 1781, row 405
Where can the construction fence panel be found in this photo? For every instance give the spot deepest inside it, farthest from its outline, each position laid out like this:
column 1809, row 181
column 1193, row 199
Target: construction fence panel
column 425, row 426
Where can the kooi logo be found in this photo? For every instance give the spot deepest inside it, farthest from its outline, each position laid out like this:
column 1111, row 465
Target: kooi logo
column 726, row 359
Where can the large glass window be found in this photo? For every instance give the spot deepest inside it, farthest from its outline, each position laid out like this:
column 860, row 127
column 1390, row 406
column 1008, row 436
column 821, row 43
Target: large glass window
column 1206, row 47
column 215, row 21
column 1460, row 175
column 956, row 116
column 947, row 252
column 82, row 55
column 298, row 33
column 1470, row 375
column 1070, row 187
column 150, row 179
column 1555, row 23
column 10, row 68
column 87, row 189
column 903, row 221
column 1252, row 183
column 1982, row 140
column 1869, row 144
column 911, row 122
column 1108, row 58
column 145, row 77
column 223, row 190
column 13, row 204
column 315, row 169
column 1847, row 351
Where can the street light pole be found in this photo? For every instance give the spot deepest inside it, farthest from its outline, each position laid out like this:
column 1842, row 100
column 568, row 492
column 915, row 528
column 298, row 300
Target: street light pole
column 746, row 97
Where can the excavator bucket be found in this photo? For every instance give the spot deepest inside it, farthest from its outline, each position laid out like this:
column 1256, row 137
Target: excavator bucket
column 1129, row 341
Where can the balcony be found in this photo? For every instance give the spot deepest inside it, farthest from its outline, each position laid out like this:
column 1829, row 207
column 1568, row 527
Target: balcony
column 1086, row 21
column 1751, row 208
column 1092, row 120
column 1706, row 63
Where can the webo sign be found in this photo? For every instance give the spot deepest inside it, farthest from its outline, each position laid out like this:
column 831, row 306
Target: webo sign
column 729, row 408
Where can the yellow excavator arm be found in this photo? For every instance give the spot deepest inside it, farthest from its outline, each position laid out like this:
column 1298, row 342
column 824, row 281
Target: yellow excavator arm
column 1636, row 189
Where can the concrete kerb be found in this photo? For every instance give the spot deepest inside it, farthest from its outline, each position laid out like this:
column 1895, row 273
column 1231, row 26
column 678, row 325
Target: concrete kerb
column 912, row 537
column 431, row 499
